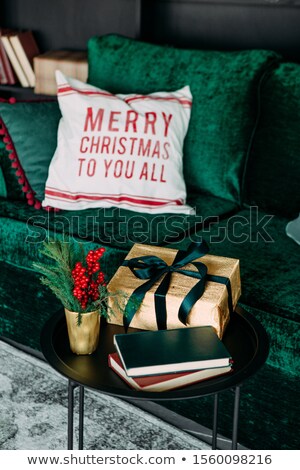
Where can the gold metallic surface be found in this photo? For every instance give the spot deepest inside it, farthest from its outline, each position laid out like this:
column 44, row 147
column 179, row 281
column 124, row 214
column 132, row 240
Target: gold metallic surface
column 211, row 309
column 83, row 338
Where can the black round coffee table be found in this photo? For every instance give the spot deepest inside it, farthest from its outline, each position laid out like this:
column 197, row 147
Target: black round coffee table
column 245, row 338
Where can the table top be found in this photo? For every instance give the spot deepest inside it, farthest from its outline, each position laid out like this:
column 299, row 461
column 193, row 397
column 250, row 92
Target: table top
column 245, row 338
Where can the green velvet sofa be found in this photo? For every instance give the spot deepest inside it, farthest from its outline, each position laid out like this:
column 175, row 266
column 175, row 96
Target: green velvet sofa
column 242, row 172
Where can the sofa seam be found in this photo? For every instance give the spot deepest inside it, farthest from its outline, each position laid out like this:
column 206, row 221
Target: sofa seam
column 264, row 77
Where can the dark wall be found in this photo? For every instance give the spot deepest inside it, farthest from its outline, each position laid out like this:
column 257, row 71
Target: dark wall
column 69, row 24
column 225, row 24
column 213, row 24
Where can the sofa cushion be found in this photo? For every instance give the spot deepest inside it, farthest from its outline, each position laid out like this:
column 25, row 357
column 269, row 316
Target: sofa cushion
column 30, row 133
column 270, row 281
column 224, row 88
column 119, row 150
column 13, row 188
column 273, row 174
column 117, row 228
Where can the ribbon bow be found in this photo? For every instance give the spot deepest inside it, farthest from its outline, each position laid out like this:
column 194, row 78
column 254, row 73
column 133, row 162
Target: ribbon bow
column 153, row 268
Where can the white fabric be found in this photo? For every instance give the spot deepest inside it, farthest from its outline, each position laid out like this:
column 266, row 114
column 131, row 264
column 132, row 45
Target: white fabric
column 293, row 229
column 119, row 150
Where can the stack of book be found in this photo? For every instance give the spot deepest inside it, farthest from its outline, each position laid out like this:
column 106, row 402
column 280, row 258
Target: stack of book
column 71, row 63
column 17, row 51
column 22, row 62
column 163, row 360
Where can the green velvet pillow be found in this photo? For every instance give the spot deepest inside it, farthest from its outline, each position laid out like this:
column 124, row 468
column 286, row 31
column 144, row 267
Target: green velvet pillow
column 29, row 131
column 224, row 88
column 273, row 174
column 13, row 188
column 3, row 192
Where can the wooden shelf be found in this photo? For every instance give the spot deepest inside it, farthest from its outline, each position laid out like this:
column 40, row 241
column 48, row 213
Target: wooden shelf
column 7, row 91
column 14, row 88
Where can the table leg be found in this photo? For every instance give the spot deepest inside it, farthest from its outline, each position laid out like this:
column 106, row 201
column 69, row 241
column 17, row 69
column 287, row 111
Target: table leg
column 71, row 387
column 215, row 422
column 81, row 414
column 236, row 417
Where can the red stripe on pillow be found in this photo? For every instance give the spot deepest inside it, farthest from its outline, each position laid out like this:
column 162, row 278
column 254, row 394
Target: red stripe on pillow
column 174, row 99
column 51, row 188
column 121, row 198
column 68, row 90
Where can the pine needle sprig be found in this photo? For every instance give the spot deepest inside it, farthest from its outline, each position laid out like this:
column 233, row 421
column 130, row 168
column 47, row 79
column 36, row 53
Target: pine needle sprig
column 68, row 301
column 119, row 302
column 58, row 275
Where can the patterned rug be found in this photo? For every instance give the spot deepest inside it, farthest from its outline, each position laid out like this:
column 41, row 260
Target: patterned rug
column 33, row 413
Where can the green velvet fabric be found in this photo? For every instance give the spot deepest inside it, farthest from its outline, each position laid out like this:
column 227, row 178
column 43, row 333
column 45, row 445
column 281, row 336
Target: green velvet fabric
column 269, row 261
column 272, row 178
column 284, row 338
column 25, row 305
column 114, row 227
column 269, row 264
column 32, row 126
column 224, row 88
column 269, row 411
column 13, row 188
column 21, row 251
column 3, row 191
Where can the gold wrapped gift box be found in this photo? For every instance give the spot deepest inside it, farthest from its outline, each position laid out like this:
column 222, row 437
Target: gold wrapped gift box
column 211, row 309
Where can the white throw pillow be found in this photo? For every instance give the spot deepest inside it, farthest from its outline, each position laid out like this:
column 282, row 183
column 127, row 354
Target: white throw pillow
column 119, row 150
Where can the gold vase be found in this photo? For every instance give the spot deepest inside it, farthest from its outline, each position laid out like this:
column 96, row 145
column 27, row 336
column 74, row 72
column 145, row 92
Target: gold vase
column 83, row 338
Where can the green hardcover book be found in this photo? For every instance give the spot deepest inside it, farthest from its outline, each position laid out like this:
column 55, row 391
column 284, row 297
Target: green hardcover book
column 166, row 351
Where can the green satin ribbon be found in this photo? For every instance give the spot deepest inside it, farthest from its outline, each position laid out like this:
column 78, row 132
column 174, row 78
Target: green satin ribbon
column 152, row 268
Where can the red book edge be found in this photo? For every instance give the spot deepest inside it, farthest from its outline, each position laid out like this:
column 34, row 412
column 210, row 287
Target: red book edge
column 10, row 75
column 3, row 75
column 164, row 382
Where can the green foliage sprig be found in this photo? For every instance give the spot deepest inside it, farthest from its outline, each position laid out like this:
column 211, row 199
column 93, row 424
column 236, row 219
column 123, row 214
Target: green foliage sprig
column 57, row 275
column 63, row 256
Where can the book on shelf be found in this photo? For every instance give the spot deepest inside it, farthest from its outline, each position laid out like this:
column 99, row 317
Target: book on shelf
column 167, row 351
column 25, row 48
column 71, row 63
column 5, row 38
column 8, row 76
column 3, row 77
column 164, row 382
